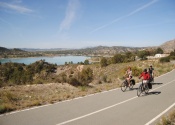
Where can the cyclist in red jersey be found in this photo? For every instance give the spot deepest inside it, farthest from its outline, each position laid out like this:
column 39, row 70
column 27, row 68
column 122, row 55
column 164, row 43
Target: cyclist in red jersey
column 145, row 76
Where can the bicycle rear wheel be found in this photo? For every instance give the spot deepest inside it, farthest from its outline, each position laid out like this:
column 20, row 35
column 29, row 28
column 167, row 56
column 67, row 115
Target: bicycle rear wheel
column 146, row 89
column 139, row 90
column 124, row 86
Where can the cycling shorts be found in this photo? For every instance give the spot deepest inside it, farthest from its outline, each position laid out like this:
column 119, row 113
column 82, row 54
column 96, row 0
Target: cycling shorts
column 145, row 81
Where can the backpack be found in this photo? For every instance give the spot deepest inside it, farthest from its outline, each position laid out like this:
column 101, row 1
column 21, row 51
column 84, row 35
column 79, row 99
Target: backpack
column 132, row 81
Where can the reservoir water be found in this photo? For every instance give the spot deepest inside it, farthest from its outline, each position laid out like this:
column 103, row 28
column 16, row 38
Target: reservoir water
column 59, row 60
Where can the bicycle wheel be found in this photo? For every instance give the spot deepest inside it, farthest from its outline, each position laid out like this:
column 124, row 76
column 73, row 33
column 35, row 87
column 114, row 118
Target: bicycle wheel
column 146, row 89
column 139, row 90
column 124, row 86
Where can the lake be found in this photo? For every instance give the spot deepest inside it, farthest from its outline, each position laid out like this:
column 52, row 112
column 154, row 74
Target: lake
column 59, row 60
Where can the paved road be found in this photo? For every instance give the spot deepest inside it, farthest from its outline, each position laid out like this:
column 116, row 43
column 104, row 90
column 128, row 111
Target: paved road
column 108, row 108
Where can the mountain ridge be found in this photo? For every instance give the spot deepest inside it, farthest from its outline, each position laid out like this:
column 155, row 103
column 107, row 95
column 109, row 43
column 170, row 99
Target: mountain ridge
column 167, row 47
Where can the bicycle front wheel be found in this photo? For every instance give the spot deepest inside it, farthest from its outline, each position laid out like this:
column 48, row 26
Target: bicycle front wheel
column 124, row 86
column 139, row 90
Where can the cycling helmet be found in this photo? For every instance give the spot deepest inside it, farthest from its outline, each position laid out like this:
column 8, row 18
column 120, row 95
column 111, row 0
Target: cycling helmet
column 145, row 70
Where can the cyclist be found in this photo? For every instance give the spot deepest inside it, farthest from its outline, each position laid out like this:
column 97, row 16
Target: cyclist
column 129, row 75
column 151, row 72
column 145, row 77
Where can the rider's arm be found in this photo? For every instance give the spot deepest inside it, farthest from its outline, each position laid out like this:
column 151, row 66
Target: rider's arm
column 140, row 75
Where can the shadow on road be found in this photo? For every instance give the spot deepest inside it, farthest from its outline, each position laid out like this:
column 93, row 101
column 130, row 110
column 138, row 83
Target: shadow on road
column 154, row 93
column 151, row 83
column 151, row 93
column 134, row 88
column 156, row 83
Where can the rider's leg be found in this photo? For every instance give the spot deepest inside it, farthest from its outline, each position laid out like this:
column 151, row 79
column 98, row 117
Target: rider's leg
column 145, row 83
column 128, row 80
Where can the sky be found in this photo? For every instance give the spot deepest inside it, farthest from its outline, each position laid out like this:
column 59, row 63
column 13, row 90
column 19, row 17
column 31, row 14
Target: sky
column 86, row 23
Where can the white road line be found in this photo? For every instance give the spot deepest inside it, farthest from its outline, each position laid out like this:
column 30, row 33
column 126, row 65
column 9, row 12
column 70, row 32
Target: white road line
column 160, row 114
column 151, row 121
column 96, row 111
column 92, row 113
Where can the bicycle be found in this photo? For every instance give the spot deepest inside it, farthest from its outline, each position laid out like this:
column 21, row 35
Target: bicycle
column 125, row 84
column 142, row 88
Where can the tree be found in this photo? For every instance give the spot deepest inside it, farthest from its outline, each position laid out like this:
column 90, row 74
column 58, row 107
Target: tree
column 130, row 56
column 159, row 51
column 86, row 62
column 118, row 58
column 143, row 54
column 103, row 62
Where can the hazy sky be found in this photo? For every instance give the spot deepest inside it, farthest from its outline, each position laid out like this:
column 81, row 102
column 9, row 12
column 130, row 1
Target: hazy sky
column 85, row 23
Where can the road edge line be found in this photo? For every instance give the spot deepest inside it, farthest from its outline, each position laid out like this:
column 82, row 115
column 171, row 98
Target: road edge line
column 158, row 116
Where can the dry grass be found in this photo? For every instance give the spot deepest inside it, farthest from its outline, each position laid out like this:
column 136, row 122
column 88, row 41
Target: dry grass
column 168, row 119
column 106, row 78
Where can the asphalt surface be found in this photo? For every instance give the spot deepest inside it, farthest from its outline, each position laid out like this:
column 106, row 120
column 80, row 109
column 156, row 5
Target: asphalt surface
column 107, row 108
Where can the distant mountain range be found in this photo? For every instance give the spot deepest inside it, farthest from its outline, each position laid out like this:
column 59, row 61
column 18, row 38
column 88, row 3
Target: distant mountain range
column 167, row 47
column 38, row 49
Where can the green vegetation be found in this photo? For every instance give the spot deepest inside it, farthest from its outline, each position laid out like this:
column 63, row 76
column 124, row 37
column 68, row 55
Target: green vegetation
column 164, row 59
column 19, row 74
column 168, row 58
column 103, row 62
column 159, row 51
column 172, row 55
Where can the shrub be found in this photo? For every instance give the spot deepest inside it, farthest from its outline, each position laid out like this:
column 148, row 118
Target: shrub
column 136, row 71
column 164, row 59
column 168, row 120
column 38, row 81
column 86, row 76
column 104, row 78
column 63, row 77
column 172, row 57
column 6, row 108
column 86, row 62
column 103, row 62
column 118, row 58
column 74, row 82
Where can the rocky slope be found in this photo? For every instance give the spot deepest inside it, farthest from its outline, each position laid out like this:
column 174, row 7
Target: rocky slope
column 168, row 46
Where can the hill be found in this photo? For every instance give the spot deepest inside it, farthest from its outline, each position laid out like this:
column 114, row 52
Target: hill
column 168, row 46
column 13, row 53
column 105, row 50
column 3, row 49
column 97, row 51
